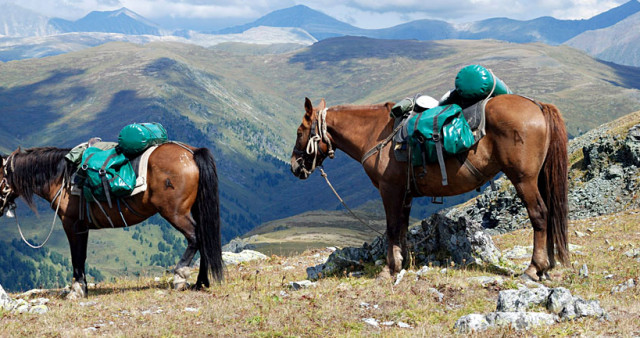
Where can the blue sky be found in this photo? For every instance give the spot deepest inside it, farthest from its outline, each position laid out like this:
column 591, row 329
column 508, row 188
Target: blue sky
column 360, row 13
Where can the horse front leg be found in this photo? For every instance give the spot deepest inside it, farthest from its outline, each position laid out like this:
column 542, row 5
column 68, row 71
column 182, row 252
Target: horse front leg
column 397, row 208
column 78, row 245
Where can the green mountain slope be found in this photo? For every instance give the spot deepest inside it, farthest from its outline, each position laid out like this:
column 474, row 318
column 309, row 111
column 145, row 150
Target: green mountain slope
column 246, row 107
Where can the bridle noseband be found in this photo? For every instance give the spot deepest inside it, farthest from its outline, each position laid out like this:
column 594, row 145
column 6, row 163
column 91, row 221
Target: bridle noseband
column 317, row 134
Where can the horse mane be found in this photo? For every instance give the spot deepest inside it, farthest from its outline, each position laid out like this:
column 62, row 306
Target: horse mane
column 35, row 170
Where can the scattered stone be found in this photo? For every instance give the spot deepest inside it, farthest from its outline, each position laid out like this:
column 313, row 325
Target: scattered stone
column 559, row 299
column 404, row 325
column 584, row 271
column 39, row 309
column 230, row 258
column 380, row 262
column 365, row 305
column 87, row 304
column 191, row 309
column 237, row 245
column 471, row 323
column 521, row 299
column 436, row 293
column 633, row 253
column 609, row 276
column 518, row 252
column 371, row 321
column 579, row 234
column 389, row 323
column 486, row 280
column 630, row 283
column 424, row 270
column 400, row 276
column 611, row 248
column 303, row 284
column 513, row 305
column 521, row 320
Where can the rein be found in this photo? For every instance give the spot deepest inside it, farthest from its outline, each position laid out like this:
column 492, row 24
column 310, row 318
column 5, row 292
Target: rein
column 313, row 148
column 4, row 198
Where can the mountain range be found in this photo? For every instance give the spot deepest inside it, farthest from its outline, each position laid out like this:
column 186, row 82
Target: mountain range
column 313, row 25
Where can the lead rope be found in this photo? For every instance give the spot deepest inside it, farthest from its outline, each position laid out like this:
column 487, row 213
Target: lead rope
column 52, row 223
column 326, row 178
column 313, row 145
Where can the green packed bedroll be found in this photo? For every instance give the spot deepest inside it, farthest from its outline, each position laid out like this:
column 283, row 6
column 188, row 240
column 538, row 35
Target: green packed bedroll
column 474, row 83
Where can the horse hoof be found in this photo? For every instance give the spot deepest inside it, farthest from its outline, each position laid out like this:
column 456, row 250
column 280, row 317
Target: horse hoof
column 77, row 292
column 181, row 286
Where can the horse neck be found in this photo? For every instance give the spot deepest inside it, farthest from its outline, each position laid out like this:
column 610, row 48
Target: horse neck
column 39, row 171
column 356, row 129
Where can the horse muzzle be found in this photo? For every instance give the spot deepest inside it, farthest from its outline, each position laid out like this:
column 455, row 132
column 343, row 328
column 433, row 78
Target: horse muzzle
column 298, row 169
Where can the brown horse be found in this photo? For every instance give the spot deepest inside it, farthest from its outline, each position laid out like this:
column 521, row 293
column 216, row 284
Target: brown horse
column 524, row 139
column 182, row 185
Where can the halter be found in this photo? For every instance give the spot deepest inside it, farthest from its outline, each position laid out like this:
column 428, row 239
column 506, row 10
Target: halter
column 317, row 133
column 5, row 187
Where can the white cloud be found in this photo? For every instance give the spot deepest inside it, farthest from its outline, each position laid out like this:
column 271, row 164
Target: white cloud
column 361, row 13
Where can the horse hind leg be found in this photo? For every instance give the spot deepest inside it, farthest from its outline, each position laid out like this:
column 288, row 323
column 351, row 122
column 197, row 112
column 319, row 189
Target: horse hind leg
column 537, row 210
column 182, row 271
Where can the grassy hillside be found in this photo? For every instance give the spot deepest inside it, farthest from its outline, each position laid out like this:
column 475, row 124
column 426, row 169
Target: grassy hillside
column 255, row 299
column 246, row 107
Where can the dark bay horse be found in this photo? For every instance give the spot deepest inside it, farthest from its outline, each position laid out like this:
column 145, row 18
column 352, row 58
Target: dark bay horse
column 182, row 186
column 526, row 140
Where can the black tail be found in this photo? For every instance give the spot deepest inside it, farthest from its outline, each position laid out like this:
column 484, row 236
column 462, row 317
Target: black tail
column 553, row 184
column 206, row 212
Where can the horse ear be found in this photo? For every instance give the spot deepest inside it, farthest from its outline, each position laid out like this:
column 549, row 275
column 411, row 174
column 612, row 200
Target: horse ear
column 323, row 104
column 308, row 107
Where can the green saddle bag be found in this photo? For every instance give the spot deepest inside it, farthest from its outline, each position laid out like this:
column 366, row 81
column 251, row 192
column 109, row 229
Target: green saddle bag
column 106, row 174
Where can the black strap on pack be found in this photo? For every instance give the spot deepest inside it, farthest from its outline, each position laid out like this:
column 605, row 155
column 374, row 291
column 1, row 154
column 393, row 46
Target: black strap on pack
column 103, row 177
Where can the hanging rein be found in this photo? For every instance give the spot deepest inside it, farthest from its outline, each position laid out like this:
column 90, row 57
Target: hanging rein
column 10, row 206
column 318, row 133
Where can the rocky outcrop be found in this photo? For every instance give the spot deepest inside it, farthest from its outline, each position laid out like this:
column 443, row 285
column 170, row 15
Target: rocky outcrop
column 603, row 179
column 440, row 240
column 37, row 306
column 514, row 309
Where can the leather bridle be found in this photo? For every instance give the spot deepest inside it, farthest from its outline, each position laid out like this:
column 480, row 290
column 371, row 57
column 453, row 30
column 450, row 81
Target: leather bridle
column 6, row 202
column 317, row 135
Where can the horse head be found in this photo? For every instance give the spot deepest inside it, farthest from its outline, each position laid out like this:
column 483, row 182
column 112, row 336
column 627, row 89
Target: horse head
column 313, row 143
column 7, row 195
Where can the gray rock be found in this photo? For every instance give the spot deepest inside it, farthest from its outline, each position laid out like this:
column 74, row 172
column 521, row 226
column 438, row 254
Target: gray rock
column 486, row 280
column 521, row 300
column 632, row 253
column 371, row 321
column 39, row 309
column 303, row 284
column 237, row 245
column 5, row 300
column 630, row 283
column 584, row 271
column 230, row 258
column 590, row 308
column 559, row 298
column 521, row 320
column 436, row 293
column 518, row 252
column 471, row 323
